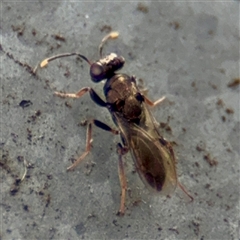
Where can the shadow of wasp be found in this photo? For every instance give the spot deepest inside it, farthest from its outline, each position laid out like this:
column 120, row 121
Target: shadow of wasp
column 153, row 155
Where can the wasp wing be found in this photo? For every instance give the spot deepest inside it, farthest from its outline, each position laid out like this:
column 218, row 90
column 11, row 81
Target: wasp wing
column 153, row 155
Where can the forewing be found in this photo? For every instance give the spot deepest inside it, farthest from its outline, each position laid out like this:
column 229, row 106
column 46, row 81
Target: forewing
column 154, row 161
column 152, row 154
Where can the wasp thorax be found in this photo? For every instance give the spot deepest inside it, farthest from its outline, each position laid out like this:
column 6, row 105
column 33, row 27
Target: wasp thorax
column 132, row 108
column 106, row 67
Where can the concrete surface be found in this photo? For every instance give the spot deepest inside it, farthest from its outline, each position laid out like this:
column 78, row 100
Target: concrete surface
column 187, row 51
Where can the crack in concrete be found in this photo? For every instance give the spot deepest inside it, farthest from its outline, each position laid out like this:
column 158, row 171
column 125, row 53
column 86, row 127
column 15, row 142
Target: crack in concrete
column 26, row 66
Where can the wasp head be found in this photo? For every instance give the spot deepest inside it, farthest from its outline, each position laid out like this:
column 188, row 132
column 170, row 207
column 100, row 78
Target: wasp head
column 106, row 67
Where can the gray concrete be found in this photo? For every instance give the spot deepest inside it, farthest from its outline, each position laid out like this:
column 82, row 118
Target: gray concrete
column 188, row 52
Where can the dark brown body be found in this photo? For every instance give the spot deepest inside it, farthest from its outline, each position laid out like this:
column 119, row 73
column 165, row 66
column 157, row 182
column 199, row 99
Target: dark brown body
column 152, row 154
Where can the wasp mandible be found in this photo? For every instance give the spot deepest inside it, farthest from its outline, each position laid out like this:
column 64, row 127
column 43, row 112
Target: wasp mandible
column 153, row 156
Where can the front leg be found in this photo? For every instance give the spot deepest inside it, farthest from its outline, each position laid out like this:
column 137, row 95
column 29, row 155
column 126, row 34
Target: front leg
column 94, row 96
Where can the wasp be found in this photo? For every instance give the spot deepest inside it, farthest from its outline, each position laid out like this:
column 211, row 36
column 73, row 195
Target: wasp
column 153, row 155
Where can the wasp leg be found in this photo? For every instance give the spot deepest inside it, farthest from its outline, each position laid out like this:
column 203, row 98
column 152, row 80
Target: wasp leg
column 121, row 151
column 185, row 191
column 89, row 139
column 151, row 103
column 143, row 92
column 81, row 92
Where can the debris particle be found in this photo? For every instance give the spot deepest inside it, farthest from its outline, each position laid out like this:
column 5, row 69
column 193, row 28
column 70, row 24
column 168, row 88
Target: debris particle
column 211, row 161
column 25, row 103
column 234, row 83
column 142, row 8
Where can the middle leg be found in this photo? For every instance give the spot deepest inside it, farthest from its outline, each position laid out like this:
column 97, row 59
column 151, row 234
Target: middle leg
column 151, row 103
column 89, row 139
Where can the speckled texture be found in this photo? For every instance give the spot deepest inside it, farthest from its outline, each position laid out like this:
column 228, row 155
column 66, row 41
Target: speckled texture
column 188, row 52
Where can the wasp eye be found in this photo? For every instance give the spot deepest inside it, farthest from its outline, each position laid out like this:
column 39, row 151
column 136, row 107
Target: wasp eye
column 97, row 72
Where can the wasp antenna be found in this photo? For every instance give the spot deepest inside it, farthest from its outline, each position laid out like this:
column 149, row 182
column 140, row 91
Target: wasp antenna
column 45, row 62
column 111, row 35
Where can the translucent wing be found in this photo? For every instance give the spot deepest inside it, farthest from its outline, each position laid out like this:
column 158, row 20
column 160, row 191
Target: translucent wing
column 152, row 154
